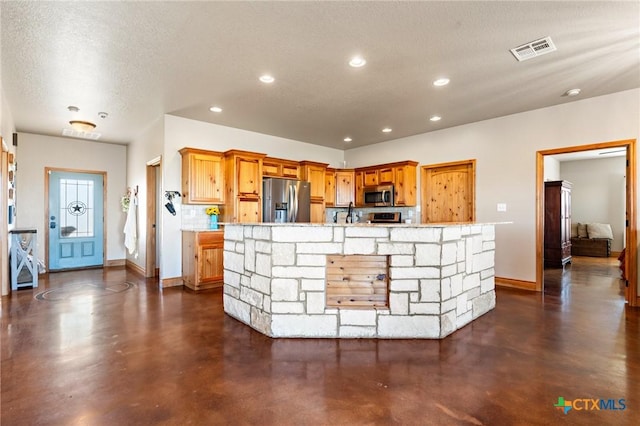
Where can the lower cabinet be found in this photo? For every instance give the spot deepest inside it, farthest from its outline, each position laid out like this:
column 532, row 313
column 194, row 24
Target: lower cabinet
column 202, row 253
column 317, row 212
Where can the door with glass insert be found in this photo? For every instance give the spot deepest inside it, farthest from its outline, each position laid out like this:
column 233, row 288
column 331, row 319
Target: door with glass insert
column 75, row 222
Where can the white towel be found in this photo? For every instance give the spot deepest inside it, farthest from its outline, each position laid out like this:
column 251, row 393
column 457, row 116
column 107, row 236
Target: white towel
column 130, row 233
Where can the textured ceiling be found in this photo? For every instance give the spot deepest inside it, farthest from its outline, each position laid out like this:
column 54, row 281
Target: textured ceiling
column 139, row 60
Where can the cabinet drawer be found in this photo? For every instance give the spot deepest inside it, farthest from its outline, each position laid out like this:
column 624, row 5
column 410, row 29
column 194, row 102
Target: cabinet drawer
column 208, row 238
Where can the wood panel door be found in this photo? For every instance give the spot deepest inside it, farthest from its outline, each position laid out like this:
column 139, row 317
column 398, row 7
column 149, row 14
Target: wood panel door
column 448, row 192
column 249, row 176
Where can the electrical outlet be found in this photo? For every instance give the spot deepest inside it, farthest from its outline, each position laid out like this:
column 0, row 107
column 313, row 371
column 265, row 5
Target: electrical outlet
column 502, row 207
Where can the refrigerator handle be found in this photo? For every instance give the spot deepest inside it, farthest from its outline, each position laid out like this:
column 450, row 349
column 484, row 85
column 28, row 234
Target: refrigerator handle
column 295, row 203
column 291, row 206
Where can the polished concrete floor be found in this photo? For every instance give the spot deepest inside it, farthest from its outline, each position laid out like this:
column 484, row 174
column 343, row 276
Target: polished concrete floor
column 104, row 347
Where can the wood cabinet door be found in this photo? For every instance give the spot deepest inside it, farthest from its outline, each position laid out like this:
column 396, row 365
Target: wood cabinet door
column 316, row 176
column 370, row 177
column 386, row 175
column 359, row 188
column 203, row 179
column 405, row 185
column 317, row 212
column 330, row 187
column 398, row 187
column 344, row 188
column 248, row 210
column 248, row 175
column 290, row 171
column 211, row 268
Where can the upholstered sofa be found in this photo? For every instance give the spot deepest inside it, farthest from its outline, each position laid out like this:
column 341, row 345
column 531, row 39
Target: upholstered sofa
column 591, row 239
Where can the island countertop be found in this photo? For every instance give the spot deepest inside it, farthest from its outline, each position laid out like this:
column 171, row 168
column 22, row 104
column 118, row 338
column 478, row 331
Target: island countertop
column 358, row 280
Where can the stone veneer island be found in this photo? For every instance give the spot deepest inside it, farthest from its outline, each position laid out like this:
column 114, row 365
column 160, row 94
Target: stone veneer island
column 437, row 278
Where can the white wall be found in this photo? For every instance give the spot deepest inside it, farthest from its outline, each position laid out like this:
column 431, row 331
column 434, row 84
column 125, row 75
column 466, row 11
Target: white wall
column 35, row 152
column 505, row 149
column 598, row 193
column 181, row 132
column 144, row 148
column 551, row 168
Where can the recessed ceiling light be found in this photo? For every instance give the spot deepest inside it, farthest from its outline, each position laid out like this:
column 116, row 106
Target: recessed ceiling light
column 441, row 82
column 435, row 118
column 357, row 62
column 572, row 92
column 215, row 109
column 386, row 129
column 267, row 79
column 347, row 139
column 73, row 108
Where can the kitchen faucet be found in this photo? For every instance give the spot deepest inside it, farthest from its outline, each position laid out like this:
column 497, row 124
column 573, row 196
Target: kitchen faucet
column 349, row 218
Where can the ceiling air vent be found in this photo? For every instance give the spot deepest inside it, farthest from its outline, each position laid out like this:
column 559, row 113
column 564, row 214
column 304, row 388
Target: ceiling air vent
column 79, row 134
column 533, row 49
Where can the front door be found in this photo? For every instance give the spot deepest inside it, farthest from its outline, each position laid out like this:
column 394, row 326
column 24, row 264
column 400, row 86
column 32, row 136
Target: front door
column 448, row 192
column 76, row 220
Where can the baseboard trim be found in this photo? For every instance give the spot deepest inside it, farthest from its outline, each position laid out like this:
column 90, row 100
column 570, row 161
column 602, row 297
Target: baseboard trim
column 135, row 268
column 519, row 284
column 171, row 282
column 116, row 262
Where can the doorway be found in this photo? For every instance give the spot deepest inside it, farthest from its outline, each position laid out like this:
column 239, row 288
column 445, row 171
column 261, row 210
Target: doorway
column 448, row 192
column 75, row 218
column 630, row 215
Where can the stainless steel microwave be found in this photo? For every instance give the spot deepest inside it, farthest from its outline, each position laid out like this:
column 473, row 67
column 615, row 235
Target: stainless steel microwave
column 378, row 196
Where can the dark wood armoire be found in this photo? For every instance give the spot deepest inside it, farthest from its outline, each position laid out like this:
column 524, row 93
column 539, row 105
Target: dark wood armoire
column 557, row 223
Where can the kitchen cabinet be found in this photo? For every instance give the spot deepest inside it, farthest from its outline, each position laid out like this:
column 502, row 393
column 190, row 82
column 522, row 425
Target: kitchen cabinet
column 202, row 254
column 402, row 175
column 330, row 187
column 202, row 176
column 345, row 190
column 243, row 183
column 248, row 210
column 557, row 223
column 386, row 175
column 315, row 174
column 277, row 167
column 359, row 187
column 404, row 184
column 371, row 177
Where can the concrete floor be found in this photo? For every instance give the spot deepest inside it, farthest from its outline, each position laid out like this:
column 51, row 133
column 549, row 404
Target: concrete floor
column 93, row 350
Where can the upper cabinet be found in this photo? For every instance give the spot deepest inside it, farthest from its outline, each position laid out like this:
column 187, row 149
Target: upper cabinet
column 359, row 187
column 404, row 183
column 371, row 177
column 402, row 175
column 315, row 173
column 202, row 176
column 345, row 189
column 243, row 182
column 330, row 187
column 386, row 175
column 277, row 167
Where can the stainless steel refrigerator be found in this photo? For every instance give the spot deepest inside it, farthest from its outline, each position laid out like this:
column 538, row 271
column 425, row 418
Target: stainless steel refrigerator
column 286, row 200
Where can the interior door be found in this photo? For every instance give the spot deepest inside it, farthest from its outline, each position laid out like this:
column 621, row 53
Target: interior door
column 448, row 192
column 76, row 220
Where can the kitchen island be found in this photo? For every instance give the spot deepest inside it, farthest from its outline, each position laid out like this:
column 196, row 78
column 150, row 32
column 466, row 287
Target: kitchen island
column 358, row 281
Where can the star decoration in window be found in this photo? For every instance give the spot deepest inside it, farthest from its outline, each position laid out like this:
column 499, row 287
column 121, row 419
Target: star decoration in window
column 77, row 208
